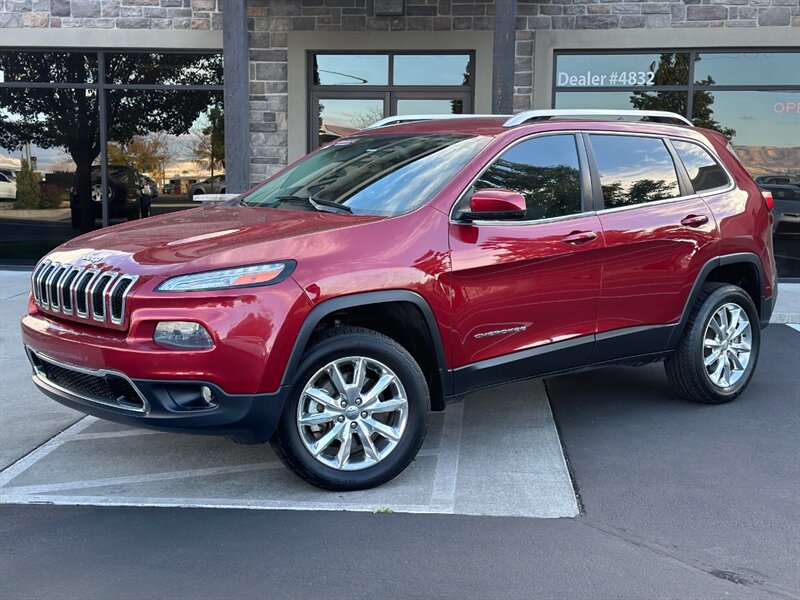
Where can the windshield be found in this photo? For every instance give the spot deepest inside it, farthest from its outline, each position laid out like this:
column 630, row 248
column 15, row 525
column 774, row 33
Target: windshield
column 383, row 175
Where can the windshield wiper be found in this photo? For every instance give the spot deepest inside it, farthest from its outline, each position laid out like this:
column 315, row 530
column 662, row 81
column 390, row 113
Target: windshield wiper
column 322, row 205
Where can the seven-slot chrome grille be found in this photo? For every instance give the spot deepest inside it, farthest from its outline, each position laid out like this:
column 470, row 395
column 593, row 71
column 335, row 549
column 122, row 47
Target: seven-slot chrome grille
column 86, row 293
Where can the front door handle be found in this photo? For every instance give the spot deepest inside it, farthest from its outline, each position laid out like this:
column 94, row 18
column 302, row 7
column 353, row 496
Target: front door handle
column 694, row 220
column 579, row 237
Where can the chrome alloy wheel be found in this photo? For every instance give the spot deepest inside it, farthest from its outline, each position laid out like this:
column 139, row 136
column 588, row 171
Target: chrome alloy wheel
column 727, row 345
column 352, row 413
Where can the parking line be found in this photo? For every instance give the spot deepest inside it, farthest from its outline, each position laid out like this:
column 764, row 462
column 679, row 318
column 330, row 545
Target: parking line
column 794, row 326
column 30, row 459
column 443, row 495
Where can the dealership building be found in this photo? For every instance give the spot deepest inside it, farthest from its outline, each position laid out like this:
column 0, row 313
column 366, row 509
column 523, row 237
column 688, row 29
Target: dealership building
column 111, row 76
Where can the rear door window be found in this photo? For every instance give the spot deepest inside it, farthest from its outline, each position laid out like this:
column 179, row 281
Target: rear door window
column 704, row 172
column 634, row 170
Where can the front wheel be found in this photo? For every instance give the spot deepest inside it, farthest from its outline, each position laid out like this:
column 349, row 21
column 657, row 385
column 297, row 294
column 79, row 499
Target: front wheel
column 718, row 352
column 357, row 414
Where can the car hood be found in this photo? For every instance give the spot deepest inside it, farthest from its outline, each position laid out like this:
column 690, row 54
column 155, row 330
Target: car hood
column 209, row 238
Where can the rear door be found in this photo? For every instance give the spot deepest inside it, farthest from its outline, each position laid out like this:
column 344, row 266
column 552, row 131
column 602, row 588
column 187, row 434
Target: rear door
column 658, row 235
column 525, row 292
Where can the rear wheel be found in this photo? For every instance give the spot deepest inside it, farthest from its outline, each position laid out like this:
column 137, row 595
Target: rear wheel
column 718, row 352
column 357, row 414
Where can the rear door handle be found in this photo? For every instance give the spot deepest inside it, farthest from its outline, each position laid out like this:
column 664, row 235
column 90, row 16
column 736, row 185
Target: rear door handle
column 579, row 237
column 694, row 220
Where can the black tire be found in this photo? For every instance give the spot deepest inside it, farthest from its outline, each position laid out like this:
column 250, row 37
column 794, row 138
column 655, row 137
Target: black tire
column 685, row 368
column 336, row 344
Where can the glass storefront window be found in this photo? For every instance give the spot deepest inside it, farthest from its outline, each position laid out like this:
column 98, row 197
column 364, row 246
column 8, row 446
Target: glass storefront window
column 351, row 69
column 420, row 106
column 432, row 69
column 671, row 101
column 129, row 68
column 160, row 142
column 47, row 67
column 339, row 117
column 622, row 70
column 747, row 68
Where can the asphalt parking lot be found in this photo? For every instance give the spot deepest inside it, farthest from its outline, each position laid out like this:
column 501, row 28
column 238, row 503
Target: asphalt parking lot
column 676, row 500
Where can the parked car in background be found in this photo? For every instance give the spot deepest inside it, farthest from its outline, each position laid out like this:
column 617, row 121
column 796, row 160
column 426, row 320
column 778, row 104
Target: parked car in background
column 785, row 193
column 8, row 187
column 125, row 198
column 212, row 185
column 393, row 272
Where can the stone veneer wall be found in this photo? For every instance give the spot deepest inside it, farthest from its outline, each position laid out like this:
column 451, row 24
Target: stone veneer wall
column 111, row 14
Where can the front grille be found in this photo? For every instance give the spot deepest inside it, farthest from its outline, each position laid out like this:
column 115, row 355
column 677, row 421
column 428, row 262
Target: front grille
column 96, row 386
column 89, row 294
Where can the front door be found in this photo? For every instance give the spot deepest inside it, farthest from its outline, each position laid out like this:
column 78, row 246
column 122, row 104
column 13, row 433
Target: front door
column 525, row 293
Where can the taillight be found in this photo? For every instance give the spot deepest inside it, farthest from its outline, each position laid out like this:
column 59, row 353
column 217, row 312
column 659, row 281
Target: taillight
column 768, row 200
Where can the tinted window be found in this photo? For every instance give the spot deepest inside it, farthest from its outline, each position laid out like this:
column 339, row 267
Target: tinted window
column 382, row 175
column 703, row 170
column 48, row 67
column 634, row 170
column 747, row 68
column 545, row 170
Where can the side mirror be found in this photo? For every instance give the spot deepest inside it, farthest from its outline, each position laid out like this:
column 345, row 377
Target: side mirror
column 494, row 205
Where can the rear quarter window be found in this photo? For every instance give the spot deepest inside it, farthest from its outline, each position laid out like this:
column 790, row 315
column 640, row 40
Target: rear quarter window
column 704, row 171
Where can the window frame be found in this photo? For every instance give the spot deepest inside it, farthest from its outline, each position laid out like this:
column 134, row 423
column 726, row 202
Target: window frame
column 587, row 184
column 390, row 92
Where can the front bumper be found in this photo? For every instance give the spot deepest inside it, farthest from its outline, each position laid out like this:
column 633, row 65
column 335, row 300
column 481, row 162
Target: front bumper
column 165, row 405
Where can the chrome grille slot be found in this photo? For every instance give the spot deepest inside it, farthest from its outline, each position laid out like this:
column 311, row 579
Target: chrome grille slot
column 80, row 292
column 44, row 298
column 52, row 285
column 65, row 289
column 117, row 295
column 97, row 293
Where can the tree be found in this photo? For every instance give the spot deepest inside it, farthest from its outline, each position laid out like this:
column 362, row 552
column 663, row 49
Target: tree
column 673, row 69
column 146, row 153
column 208, row 147
column 69, row 118
column 27, row 187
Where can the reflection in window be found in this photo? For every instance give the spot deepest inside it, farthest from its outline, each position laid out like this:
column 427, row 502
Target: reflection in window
column 48, row 67
column 432, row 69
column 430, row 107
column 766, row 129
column 339, row 117
column 747, row 68
column 671, row 101
column 545, row 171
column 634, row 170
column 163, row 68
column 382, row 175
column 704, row 172
column 175, row 146
column 351, row 69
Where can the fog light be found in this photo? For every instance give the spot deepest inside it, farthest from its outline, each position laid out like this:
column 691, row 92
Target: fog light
column 182, row 334
column 207, row 394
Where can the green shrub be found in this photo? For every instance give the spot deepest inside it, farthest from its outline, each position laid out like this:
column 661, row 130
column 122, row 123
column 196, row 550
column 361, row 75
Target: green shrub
column 50, row 196
column 28, row 194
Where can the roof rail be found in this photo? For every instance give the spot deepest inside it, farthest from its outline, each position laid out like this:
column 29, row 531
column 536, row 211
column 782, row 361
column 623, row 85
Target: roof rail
column 657, row 116
column 398, row 119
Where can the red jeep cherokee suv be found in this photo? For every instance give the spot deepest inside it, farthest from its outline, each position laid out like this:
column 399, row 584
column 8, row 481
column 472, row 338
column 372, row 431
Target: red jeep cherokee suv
column 391, row 272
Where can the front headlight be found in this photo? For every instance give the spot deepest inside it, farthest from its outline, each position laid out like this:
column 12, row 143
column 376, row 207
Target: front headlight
column 223, row 279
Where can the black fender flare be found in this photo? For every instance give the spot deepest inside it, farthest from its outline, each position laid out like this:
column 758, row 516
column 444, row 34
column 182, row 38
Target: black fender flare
column 764, row 306
column 322, row 310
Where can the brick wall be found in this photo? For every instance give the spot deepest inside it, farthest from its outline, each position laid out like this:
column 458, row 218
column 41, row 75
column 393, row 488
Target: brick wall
column 110, row 14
